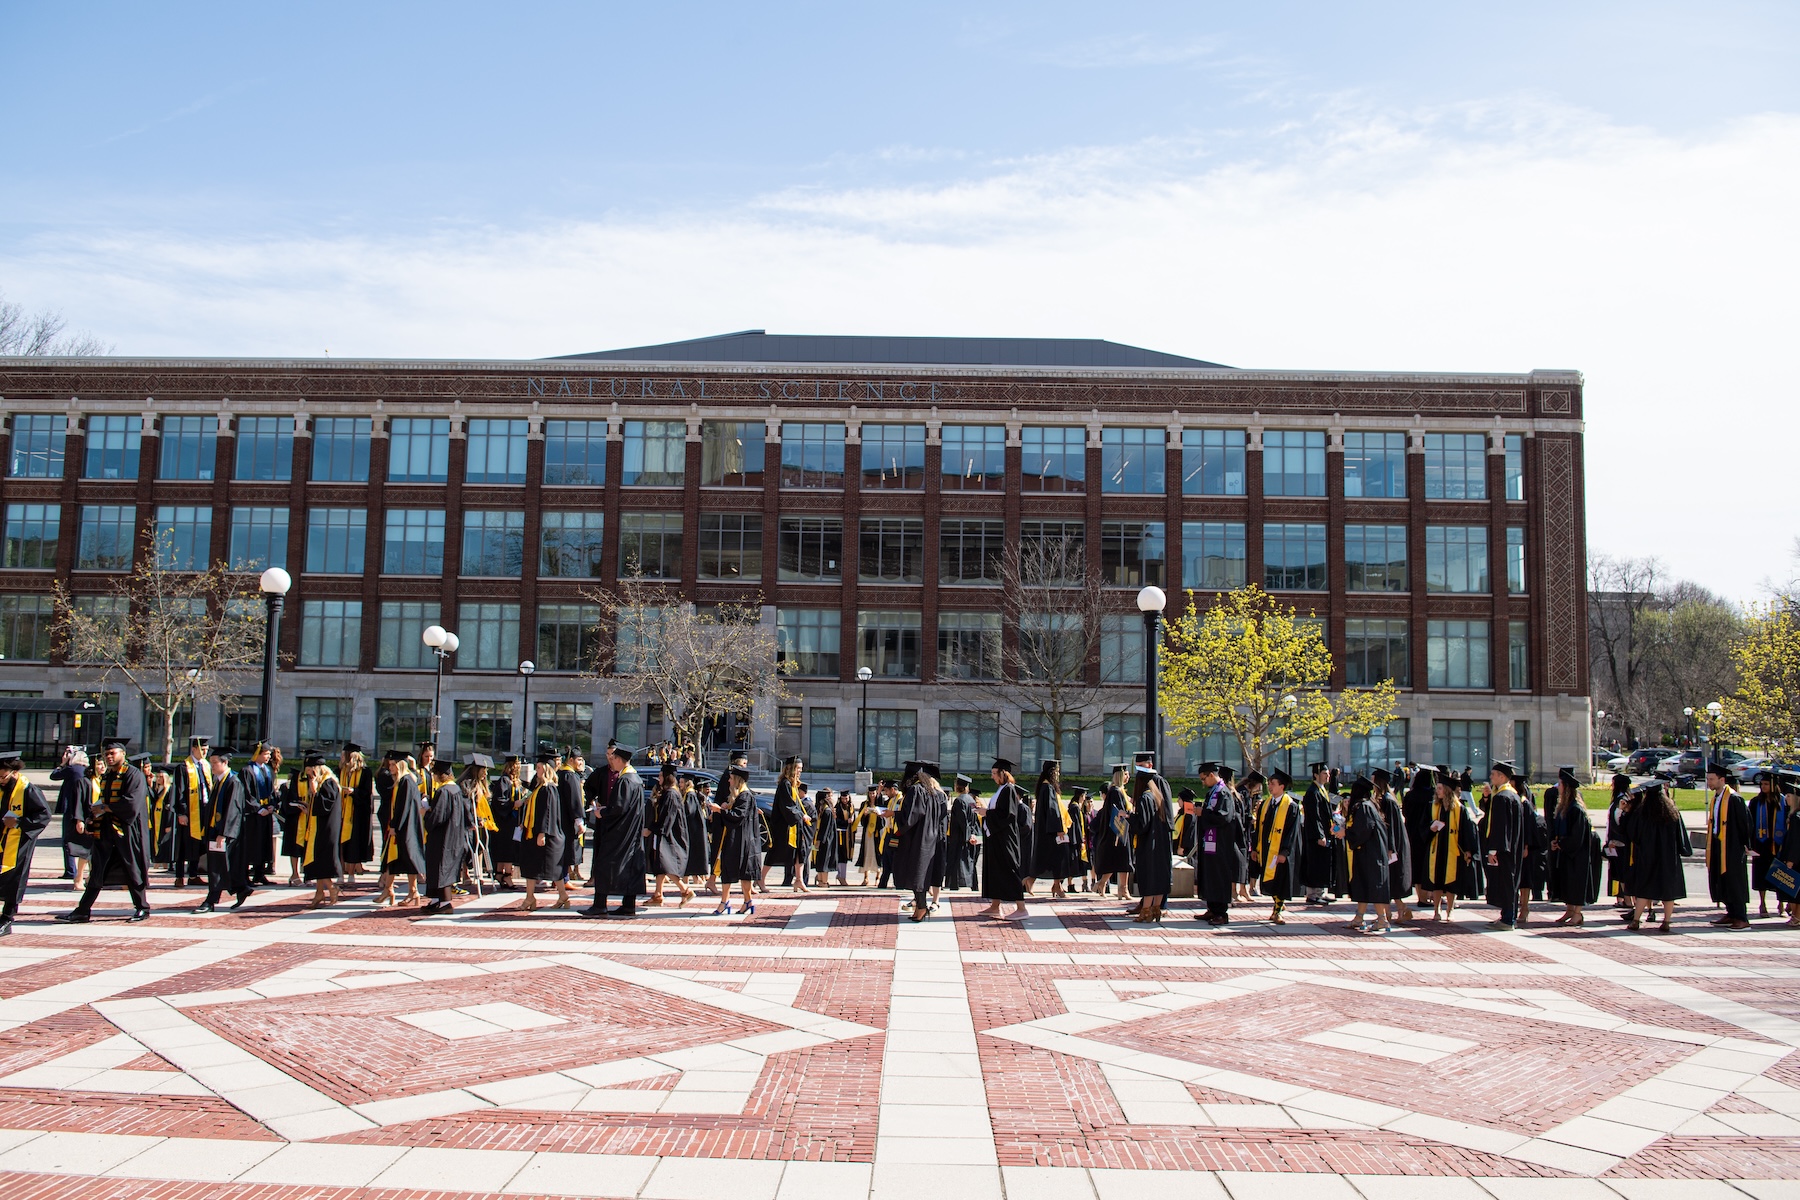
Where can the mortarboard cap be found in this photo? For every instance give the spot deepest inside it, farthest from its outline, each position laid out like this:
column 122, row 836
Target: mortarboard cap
column 477, row 760
column 219, row 752
column 1185, row 794
column 1003, row 764
column 314, row 758
column 1116, row 767
column 738, row 771
column 1505, row 768
column 625, row 752
column 792, row 760
column 12, row 759
column 114, row 743
column 199, row 739
column 352, row 748
column 1282, row 777
column 1315, row 768
column 1255, row 777
column 1209, row 768
column 1361, row 789
column 1144, row 756
column 1225, row 773
column 961, row 778
column 1381, row 775
column 396, row 755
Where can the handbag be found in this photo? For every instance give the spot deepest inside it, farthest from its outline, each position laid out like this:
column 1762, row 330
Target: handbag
column 1784, row 879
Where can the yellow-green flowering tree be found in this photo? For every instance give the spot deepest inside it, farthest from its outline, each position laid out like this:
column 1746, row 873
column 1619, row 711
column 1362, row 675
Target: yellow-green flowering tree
column 1255, row 667
column 1765, row 709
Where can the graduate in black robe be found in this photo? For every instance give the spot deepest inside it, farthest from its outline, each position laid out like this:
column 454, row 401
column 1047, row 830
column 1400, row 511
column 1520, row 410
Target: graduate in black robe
column 290, row 814
column 787, row 819
column 121, row 829
column 323, row 823
column 403, row 847
column 187, row 801
column 1787, row 837
column 357, row 784
column 828, row 849
column 446, row 836
column 227, row 857
column 1316, row 808
column 668, row 818
column 1452, row 849
column 162, row 817
column 962, row 837
column 75, row 793
column 1415, row 807
column 573, row 797
column 1109, row 833
column 740, row 858
column 1218, row 851
column 1618, row 842
column 1727, row 847
column 1007, row 843
column 1277, row 844
column 542, row 838
column 1153, row 841
column 506, row 801
column 1049, row 848
column 1503, row 833
column 259, row 817
column 702, row 835
column 1767, row 811
column 923, row 817
column 619, row 830
column 24, row 814
column 1534, row 862
column 1659, row 842
column 1574, row 879
column 1366, row 844
column 1400, row 865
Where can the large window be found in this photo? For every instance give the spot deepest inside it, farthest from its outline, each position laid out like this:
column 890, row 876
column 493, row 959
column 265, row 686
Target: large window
column 1053, row 553
column 890, row 737
column 567, row 636
column 888, row 643
column 968, row 645
column 419, row 450
column 494, row 543
column 821, row 739
column 330, row 633
column 497, row 451
column 189, row 447
column 402, row 725
column 572, row 544
column 974, row 457
column 259, row 538
column 812, row 454
column 893, row 550
column 401, row 643
column 1122, row 648
column 574, row 453
column 414, row 544
column 1375, row 650
column 265, row 449
column 1375, row 558
column 1293, row 463
column 1053, row 458
column 26, row 624
column 731, row 546
column 1455, row 466
column 484, row 726
column 106, row 537
column 968, row 741
column 240, row 720
column 1052, row 646
column 1456, row 654
column 1212, row 555
column 111, row 610
column 1462, row 744
column 1515, row 466
column 1215, row 745
column 650, row 545
column 1212, row 462
column 1381, row 747
column 1518, row 656
column 340, row 450
column 336, row 540
column 183, row 537
column 808, row 638
column 489, row 635
column 112, row 447
column 1044, row 736
column 31, row 535
column 812, row 549
column 1375, row 465
column 1515, row 560
column 565, row 723
column 1294, row 557
column 1131, row 553
column 893, row 456
column 323, row 722
column 1133, row 461
column 731, row 453
column 655, row 454
column 37, row 445
column 633, row 650
column 970, row 551
column 1456, row 558
column 158, row 722
column 1121, row 736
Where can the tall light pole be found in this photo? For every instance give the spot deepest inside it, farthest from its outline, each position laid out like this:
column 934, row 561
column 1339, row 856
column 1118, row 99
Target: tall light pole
column 1712, row 710
column 1693, row 732
column 274, row 583
column 442, row 643
column 526, row 745
column 1150, row 602
column 862, row 718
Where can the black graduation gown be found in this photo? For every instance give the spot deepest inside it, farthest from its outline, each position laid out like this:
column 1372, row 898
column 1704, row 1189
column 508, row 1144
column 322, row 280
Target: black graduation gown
column 924, row 815
column 701, row 836
column 323, row 860
column 1765, row 813
column 1618, row 858
column 962, row 842
column 228, row 869
column 1415, row 806
column 827, row 850
column 1400, row 856
column 570, row 797
column 359, row 834
column 27, row 803
column 188, row 799
column 786, row 829
column 1572, row 857
column 259, row 826
column 671, row 833
column 1315, row 837
column 1110, row 835
column 1443, row 872
column 501, row 795
column 1048, row 856
column 1503, row 832
column 74, row 803
column 1657, row 848
column 619, row 839
column 1219, row 851
column 288, row 808
column 1003, row 851
column 121, row 830
column 162, row 823
column 1534, row 867
column 1727, row 842
column 404, row 852
column 542, row 815
column 1279, row 879
column 1152, row 832
column 1366, row 835
column 740, row 847
column 446, row 837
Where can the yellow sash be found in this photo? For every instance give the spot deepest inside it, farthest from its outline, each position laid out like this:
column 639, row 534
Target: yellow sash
column 159, row 805
column 1715, row 842
column 352, row 781
column 485, row 811
column 12, row 839
column 1451, row 816
column 308, row 823
column 195, row 790
column 1349, row 850
column 1275, row 833
column 392, row 852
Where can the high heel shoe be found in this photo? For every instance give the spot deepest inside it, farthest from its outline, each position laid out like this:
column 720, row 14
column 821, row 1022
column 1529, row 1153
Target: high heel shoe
column 562, row 902
column 750, row 910
column 686, row 895
column 724, row 910
column 530, row 905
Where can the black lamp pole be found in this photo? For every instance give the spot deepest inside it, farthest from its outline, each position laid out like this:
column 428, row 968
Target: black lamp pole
column 274, row 583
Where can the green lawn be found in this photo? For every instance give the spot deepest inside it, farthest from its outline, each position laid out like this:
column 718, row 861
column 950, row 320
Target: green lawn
column 1686, row 799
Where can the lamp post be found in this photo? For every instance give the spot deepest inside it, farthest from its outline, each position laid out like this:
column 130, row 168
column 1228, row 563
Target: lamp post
column 274, row 583
column 1713, row 710
column 526, row 745
column 442, row 643
column 862, row 718
column 1150, row 602
column 1693, row 733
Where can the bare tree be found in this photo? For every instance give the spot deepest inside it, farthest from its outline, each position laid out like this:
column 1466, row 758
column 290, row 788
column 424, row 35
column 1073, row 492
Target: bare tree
column 1621, row 593
column 700, row 664
column 178, row 637
column 41, row 334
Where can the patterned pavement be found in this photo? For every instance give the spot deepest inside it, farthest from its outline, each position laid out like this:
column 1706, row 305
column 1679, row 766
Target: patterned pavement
column 825, row 1048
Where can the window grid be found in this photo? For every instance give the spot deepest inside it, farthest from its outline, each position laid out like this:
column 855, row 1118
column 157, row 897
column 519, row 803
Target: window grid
column 340, row 450
column 402, row 724
column 108, row 533
column 1515, row 466
column 189, row 447
column 1052, row 553
column 572, row 544
column 1133, row 461
column 732, row 453
column 336, row 540
column 1382, row 747
column 893, row 550
column 26, row 626
column 812, row 549
column 1294, row 557
column 419, row 450
column 1121, row 649
column 969, row 552
column 1375, row 650
column 564, row 723
column 497, row 451
column 731, row 546
column 808, row 638
column 1375, row 465
column 655, row 454
column 489, row 637
column 32, row 535
column 1375, row 558
column 567, row 636
column 1131, row 553
column 890, row 737
column 259, row 538
column 112, row 447
column 1515, row 560
column 812, row 454
column 265, row 449
column 969, row 645
column 1053, row 458
column 323, row 722
column 968, row 741
column 574, row 453
column 38, row 441
column 484, row 726
column 183, row 537
column 1456, row 559
column 974, row 458
column 1456, row 654
column 1294, row 463
column 893, row 456
column 1455, row 466
column 1518, row 655
column 1041, row 738
column 401, row 642
column 1052, row 646
column 1212, row 462
column 650, row 545
column 1464, row 744
column 1212, row 555
column 414, row 544
column 330, row 633
column 888, row 643
column 494, row 543
column 1121, row 736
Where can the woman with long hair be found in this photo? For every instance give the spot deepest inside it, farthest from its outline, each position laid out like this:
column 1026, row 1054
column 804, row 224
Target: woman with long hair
column 478, row 794
column 1006, row 853
column 866, row 839
column 1111, row 836
column 1571, row 849
column 506, row 799
column 542, row 837
column 322, row 821
column 668, row 835
column 1659, row 842
column 740, row 850
column 1152, row 826
column 357, row 783
column 1050, row 846
column 825, row 848
column 1618, row 845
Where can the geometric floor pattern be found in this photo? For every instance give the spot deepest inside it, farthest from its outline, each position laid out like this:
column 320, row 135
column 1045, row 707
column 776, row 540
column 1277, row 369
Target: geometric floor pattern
column 825, row 1048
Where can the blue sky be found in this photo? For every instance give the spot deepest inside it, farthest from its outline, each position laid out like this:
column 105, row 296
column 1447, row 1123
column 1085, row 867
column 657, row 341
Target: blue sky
column 1404, row 185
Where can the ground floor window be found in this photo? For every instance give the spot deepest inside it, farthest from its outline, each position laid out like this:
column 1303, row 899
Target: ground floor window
column 565, row 724
column 821, row 739
column 968, row 741
column 484, row 727
column 1220, row 746
column 890, row 738
column 323, row 722
column 402, row 725
column 1044, row 736
column 1121, row 736
column 1461, row 744
column 1379, row 748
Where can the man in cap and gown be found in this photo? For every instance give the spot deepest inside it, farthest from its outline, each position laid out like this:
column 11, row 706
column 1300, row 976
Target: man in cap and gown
column 446, row 835
column 187, row 800
column 1574, row 869
column 1400, row 866
column 1452, row 849
column 1315, row 834
column 402, row 819
column 121, row 828
column 357, row 782
column 1277, row 853
column 619, row 841
column 962, row 837
column 1727, row 847
column 1006, row 848
column 1049, row 837
column 1153, row 834
column 924, row 815
column 1220, row 850
column 227, row 852
column 1503, row 834
column 24, row 813
column 1366, row 846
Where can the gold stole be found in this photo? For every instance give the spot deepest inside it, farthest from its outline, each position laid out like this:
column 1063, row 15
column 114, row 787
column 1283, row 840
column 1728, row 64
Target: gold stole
column 1349, row 850
column 485, row 811
column 13, row 839
column 308, row 822
column 392, row 853
column 1452, row 830
column 159, row 805
column 352, row 781
column 1715, row 843
column 1273, row 846
column 194, row 792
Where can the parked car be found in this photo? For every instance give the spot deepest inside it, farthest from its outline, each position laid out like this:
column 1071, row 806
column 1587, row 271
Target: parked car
column 1607, row 761
column 1751, row 773
column 1643, row 762
column 1691, row 763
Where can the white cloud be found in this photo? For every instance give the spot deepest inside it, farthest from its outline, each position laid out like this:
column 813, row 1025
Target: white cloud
column 1502, row 237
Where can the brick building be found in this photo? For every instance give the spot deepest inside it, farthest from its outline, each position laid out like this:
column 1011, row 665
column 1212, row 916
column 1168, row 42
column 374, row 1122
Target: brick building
column 862, row 489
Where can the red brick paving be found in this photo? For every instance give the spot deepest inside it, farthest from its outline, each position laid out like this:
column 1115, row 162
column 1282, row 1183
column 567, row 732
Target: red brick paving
column 18, row 1186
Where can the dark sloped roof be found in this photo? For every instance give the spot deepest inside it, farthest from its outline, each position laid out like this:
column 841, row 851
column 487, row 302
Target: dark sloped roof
column 756, row 345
